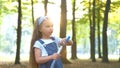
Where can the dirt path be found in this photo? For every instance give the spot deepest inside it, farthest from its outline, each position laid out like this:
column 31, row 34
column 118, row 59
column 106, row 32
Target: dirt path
column 74, row 64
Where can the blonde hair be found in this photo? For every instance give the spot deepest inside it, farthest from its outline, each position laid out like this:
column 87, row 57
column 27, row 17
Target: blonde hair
column 36, row 35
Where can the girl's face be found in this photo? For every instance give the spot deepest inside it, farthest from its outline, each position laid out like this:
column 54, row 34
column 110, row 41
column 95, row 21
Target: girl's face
column 46, row 28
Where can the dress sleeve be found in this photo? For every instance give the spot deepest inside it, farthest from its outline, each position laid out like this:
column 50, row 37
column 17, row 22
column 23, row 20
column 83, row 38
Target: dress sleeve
column 41, row 47
column 37, row 45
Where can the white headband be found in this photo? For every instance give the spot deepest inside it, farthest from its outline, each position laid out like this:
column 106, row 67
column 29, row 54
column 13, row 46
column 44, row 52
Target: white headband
column 41, row 19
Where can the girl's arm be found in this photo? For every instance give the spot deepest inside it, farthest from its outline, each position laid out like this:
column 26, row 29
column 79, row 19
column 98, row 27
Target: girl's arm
column 39, row 59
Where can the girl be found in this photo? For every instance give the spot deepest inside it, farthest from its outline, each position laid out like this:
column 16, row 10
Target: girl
column 44, row 47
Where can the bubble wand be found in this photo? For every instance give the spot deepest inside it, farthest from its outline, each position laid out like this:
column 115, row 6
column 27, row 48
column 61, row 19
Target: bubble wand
column 59, row 50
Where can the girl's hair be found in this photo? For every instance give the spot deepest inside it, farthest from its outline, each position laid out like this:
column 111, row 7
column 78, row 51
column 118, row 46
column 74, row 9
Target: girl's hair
column 36, row 35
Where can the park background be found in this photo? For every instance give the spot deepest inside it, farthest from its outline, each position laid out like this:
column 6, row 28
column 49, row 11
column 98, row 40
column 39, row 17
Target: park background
column 94, row 27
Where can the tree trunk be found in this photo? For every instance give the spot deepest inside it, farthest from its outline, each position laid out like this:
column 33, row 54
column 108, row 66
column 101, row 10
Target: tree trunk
column 119, row 55
column 104, row 33
column 45, row 6
column 90, row 20
column 98, row 26
column 32, row 11
column 63, row 22
column 93, row 35
column 17, row 59
column 73, row 51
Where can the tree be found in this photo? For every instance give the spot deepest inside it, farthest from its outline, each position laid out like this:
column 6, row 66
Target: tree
column 90, row 20
column 32, row 11
column 98, row 26
column 92, row 32
column 17, row 59
column 45, row 6
column 63, row 22
column 104, row 32
column 74, row 56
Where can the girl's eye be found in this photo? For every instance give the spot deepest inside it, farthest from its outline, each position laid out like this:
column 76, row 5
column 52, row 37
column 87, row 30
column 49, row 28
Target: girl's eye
column 49, row 26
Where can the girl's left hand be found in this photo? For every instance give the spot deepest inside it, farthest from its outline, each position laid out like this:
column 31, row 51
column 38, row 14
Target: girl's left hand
column 63, row 42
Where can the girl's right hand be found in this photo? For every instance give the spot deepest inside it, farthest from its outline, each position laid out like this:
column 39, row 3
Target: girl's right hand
column 55, row 56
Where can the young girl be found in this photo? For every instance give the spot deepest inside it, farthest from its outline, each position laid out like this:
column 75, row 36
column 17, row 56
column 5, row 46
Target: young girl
column 44, row 47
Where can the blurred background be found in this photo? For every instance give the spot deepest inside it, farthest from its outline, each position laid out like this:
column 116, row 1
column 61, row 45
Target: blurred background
column 94, row 27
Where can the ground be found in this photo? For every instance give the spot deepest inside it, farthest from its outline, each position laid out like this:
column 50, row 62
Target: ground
column 75, row 64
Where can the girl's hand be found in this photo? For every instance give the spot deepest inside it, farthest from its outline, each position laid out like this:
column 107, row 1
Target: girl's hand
column 55, row 56
column 63, row 42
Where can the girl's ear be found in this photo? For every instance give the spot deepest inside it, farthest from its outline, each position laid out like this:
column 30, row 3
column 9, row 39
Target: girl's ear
column 40, row 30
